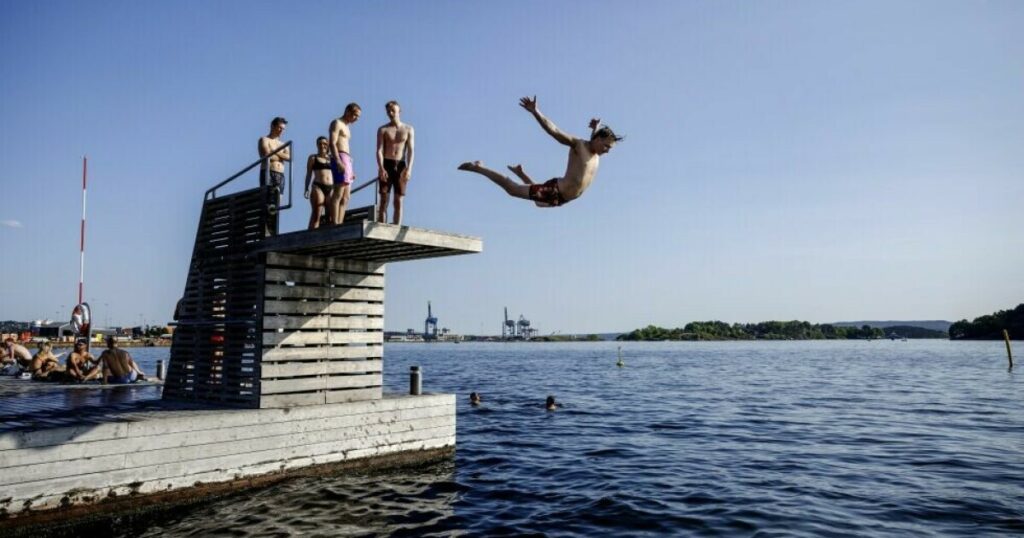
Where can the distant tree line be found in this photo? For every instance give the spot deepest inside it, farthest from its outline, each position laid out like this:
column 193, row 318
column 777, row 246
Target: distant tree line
column 765, row 330
column 990, row 326
column 910, row 331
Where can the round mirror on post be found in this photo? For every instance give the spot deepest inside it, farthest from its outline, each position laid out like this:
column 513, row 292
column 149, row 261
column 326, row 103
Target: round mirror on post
column 81, row 321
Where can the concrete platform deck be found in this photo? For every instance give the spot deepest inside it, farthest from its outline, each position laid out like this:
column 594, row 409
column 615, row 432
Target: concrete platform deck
column 372, row 241
column 149, row 446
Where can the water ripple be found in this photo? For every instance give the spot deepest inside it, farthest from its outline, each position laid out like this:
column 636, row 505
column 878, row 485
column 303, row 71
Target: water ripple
column 689, row 439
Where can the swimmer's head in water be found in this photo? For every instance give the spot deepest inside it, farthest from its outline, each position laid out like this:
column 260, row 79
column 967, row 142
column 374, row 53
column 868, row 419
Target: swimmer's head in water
column 550, row 401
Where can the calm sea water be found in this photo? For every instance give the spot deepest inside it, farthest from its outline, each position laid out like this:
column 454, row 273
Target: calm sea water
column 919, row 438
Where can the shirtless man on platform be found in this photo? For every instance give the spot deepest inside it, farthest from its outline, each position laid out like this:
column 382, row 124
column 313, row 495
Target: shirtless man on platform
column 395, row 154
column 272, row 169
column 584, row 157
column 341, row 161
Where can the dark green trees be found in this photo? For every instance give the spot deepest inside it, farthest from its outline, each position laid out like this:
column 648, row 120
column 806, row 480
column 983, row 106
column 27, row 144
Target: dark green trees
column 990, row 326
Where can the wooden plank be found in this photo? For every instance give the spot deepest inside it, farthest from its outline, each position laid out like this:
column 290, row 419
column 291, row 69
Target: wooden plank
column 299, row 239
column 79, row 496
column 129, row 445
column 322, row 353
column 321, row 337
column 162, row 422
column 294, row 369
column 180, row 475
column 279, row 291
column 311, row 445
column 321, row 322
column 309, row 262
column 322, row 278
column 313, row 307
column 305, row 384
column 292, row 400
column 343, row 396
column 421, row 236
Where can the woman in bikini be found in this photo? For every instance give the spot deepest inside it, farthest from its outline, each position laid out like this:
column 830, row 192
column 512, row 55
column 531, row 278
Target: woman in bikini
column 318, row 177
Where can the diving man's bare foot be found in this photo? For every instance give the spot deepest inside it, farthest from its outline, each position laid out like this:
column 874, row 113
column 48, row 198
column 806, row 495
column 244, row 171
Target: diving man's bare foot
column 517, row 169
column 470, row 166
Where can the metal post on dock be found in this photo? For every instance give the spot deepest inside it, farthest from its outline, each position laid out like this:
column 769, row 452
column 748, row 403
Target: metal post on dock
column 415, row 381
column 1009, row 354
column 160, row 371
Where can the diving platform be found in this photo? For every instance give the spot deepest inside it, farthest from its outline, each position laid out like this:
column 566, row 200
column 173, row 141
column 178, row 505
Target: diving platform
column 373, row 242
column 276, row 367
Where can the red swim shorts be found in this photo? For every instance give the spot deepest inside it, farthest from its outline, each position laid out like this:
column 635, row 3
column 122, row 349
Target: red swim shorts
column 547, row 193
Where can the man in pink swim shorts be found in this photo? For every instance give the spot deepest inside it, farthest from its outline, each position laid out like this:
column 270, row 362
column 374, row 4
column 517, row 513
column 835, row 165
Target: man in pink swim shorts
column 341, row 162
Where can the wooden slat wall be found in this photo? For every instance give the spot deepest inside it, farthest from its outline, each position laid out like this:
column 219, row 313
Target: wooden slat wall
column 216, row 347
column 322, row 330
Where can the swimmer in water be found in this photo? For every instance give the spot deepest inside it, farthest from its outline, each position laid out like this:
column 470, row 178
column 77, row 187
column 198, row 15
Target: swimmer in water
column 550, row 404
column 474, row 399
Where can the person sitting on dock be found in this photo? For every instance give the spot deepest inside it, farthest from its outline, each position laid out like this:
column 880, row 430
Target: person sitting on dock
column 19, row 353
column 118, row 365
column 395, row 155
column 584, row 157
column 8, row 366
column 45, row 365
column 341, row 161
column 475, row 399
column 81, row 365
column 318, row 175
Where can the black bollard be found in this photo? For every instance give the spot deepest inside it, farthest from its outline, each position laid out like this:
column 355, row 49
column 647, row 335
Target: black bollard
column 415, row 381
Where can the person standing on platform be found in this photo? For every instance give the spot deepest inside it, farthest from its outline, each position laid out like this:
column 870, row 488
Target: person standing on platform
column 395, row 155
column 341, row 161
column 318, row 177
column 272, row 169
column 584, row 157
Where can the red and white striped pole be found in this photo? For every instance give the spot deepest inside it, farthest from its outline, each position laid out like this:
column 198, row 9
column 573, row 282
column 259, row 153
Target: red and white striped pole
column 81, row 273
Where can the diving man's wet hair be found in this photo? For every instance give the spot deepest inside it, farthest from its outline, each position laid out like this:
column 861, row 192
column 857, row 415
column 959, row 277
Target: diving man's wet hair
column 606, row 132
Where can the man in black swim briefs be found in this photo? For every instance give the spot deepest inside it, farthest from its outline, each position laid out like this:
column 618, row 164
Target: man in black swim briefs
column 395, row 155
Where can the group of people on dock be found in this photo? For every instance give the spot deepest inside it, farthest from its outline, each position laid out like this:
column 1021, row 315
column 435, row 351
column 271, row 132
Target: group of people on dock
column 330, row 171
column 114, row 365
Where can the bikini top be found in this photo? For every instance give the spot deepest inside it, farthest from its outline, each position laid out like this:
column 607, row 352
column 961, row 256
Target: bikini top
column 321, row 165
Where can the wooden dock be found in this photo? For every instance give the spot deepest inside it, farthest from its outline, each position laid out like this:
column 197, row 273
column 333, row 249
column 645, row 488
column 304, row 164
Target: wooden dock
column 276, row 365
column 160, row 447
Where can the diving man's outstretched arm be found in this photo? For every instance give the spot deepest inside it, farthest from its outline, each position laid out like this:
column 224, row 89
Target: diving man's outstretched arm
column 531, row 106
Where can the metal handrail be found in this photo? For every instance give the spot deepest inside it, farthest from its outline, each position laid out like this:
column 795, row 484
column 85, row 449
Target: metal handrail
column 376, row 195
column 363, row 186
column 212, row 192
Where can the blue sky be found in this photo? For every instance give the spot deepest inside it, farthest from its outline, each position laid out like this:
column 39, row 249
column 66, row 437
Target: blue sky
column 784, row 160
